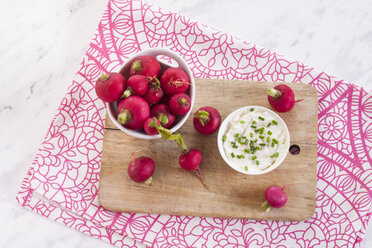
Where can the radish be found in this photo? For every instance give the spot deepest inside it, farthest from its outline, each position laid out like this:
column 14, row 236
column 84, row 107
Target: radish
column 137, row 84
column 180, row 104
column 174, row 80
column 190, row 159
column 281, row 98
column 109, row 87
column 276, row 196
column 154, row 93
column 141, row 169
column 133, row 112
column 162, row 113
column 150, row 127
column 206, row 120
column 146, row 66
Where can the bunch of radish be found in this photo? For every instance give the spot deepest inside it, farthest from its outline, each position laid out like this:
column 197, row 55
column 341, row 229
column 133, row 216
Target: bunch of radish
column 148, row 92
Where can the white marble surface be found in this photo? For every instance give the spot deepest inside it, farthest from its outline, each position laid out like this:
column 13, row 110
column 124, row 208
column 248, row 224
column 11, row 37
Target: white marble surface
column 42, row 43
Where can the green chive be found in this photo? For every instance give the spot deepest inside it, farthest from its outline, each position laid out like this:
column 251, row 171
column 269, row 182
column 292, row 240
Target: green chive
column 272, row 144
column 243, row 137
column 224, row 138
column 251, row 109
column 268, row 125
column 260, row 148
column 274, row 122
column 254, row 157
column 254, row 122
column 257, row 162
column 261, row 137
column 253, row 126
column 262, row 144
column 242, row 156
column 275, row 141
column 238, row 156
column 261, row 118
column 257, row 130
column 251, row 135
column 242, row 122
column 268, row 139
column 255, row 141
column 275, row 155
column 232, row 155
column 236, row 135
column 246, row 168
column 269, row 132
column 247, row 151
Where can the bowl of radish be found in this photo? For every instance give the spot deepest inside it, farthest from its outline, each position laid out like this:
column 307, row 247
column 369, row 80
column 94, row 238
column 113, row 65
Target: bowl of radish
column 253, row 140
column 152, row 88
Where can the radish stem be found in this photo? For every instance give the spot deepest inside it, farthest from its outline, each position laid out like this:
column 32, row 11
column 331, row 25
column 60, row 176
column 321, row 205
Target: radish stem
column 136, row 66
column 274, row 93
column 203, row 116
column 148, row 181
column 201, row 176
column 266, row 206
column 124, row 117
column 168, row 135
column 104, row 77
column 127, row 93
column 163, row 119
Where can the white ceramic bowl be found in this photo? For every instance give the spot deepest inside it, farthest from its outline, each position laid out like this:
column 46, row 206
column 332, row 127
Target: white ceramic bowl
column 155, row 52
column 224, row 126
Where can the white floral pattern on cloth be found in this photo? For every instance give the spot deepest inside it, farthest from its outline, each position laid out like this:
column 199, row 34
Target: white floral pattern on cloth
column 62, row 183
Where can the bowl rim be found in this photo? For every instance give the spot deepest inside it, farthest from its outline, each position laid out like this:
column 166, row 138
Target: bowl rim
column 155, row 52
column 222, row 131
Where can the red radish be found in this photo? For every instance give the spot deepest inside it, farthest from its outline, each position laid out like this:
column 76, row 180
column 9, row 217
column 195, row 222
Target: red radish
column 154, row 93
column 162, row 113
column 150, row 127
column 190, row 159
column 180, row 104
column 174, row 80
column 133, row 112
column 109, row 87
column 137, row 85
column 281, row 98
column 206, row 120
column 276, row 196
column 146, row 66
column 141, row 169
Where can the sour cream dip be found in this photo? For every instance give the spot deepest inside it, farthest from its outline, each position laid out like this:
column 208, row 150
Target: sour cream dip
column 253, row 140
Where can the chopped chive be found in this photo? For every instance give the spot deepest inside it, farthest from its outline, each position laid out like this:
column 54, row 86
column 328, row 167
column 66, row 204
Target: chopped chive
column 275, row 141
column 257, row 130
column 251, row 109
column 238, row 156
column 251, row 134
column 261, row 118
column 257, row 162
column 269, row 132
column 232, row 155
column 272, row 144
column 242, row 122
column 261, row 137
column 247, row 151
column 235, row 146
column 255, row 141
column 262, row 144
column 274, row 122
column 268, row 125
column 254, row 151
column 236, row 135
column 254, row 122
column 242, row 156
column 232, row 143
column 259, row 148
column 224, row 137
column 246, row 142
column 268, row 139
column 246, row 168
column 254, row 157
column 253, row 126
column 243, row 137
column 275, row 155
column 262, row 129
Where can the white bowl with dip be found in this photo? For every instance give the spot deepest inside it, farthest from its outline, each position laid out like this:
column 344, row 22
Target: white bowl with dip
column 245, row 137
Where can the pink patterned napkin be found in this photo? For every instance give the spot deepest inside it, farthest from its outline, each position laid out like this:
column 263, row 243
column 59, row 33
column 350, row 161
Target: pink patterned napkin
column 62, row 183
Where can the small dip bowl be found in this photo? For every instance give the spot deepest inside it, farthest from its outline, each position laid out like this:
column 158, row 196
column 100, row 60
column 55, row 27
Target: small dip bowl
column 254, row 145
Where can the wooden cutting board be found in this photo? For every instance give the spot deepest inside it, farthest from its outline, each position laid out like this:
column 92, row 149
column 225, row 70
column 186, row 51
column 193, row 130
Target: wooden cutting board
column 228, row 193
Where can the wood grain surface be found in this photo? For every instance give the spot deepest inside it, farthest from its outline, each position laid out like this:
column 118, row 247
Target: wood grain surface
column 228, row 193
